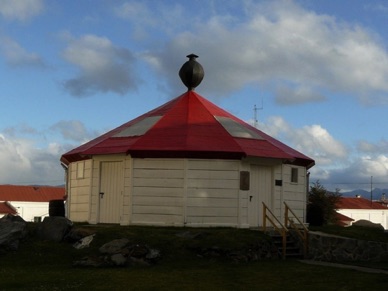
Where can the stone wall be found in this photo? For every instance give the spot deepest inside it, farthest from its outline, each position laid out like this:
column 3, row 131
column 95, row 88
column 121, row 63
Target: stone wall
column 331, row 248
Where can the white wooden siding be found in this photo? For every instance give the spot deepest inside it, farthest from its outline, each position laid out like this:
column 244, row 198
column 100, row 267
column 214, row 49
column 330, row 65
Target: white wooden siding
column 278, row 206
column 294, row 194
column 192, row 192
column 158, row 191
column 78, row 206
column 185, row 192
column 212, row 192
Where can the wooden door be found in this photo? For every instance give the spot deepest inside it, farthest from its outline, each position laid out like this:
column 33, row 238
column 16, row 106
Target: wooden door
column 111, row 190
column 260, row 191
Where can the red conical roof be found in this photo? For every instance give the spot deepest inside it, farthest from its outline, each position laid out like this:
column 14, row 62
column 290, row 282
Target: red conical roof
column 188, row 126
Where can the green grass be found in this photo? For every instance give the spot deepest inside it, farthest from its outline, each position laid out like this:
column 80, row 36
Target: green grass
column 44, row 265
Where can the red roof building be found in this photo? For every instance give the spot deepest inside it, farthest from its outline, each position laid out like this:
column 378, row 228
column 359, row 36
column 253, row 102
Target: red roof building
column 187, row 162
column 7, row 208
column 343, row 220
column 363, row 209
column 31, row 193
column 29, row 202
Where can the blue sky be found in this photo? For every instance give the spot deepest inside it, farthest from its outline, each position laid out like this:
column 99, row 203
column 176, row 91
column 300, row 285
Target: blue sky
column 71, row 70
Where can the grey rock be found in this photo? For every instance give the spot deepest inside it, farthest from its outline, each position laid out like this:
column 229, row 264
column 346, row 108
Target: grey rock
column 12, row 230
column 78, row 233
column 90, row 262
column 83, row 242
column 138, row 251
column 54, row 228
column 152, row 254
column 118, row 259
column 114, row 246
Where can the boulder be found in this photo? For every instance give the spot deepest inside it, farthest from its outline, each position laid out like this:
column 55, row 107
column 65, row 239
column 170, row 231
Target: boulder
column 54, row 228
column 118, row 260
column 120, row 253
column 78, row 233
column 83, row 242
column 90, row 261
column 367, row 223
column 114, row 246
column 12, row 230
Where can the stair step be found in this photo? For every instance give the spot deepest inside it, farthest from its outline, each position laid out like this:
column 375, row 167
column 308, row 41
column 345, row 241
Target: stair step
column 292, row 248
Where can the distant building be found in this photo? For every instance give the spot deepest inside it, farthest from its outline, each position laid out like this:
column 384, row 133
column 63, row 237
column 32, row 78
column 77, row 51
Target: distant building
column 360, row 208
column 7, row 208
column 343, row 220
column 30, row 202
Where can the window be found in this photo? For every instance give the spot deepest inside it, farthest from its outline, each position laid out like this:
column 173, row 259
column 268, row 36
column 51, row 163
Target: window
column 294, row 175
column 139, row 128
column 80, row 170
column 236, row 129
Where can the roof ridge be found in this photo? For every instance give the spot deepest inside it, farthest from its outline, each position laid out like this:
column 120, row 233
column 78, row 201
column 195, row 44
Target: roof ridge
column 205, row 104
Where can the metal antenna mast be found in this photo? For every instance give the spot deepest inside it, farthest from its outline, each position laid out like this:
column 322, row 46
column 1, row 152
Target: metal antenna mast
column 255, row 108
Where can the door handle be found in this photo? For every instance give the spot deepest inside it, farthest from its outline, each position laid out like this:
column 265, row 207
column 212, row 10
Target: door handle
column 102, row 195
column 250, row 198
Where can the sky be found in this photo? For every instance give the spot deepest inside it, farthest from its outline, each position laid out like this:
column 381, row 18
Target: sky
column 316, row 70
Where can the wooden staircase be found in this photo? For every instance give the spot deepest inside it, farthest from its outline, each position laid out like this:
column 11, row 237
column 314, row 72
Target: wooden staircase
column 292, row 248
column 290, row 238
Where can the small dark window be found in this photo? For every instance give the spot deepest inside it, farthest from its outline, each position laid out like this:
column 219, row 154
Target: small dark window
column 244, row 180
column 294, row 175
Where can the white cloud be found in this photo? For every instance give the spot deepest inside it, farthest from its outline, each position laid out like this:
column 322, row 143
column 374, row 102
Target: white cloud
column 317, row 141
column 16, row 56
column 282, row 45
column 103, row 66
column 29, row 156
column 337, row 165
column 24, row 163
column 368, row 147
column 73, row 130
column 380, row 7
column 20, row 9
column 291, row 96
column 358, row 172
column 312, row 140
column 153, row 16
column 132, row 10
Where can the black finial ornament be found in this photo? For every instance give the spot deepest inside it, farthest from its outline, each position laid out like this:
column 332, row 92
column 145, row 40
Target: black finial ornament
column 191, row 72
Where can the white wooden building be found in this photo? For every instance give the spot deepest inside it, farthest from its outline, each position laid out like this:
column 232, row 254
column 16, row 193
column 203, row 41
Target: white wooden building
column 185, row 163
column 362, row 209
column 30, row 202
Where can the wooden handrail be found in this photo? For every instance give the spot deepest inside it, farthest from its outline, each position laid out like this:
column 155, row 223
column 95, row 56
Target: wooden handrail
column 282, row 230
column 290, row 221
